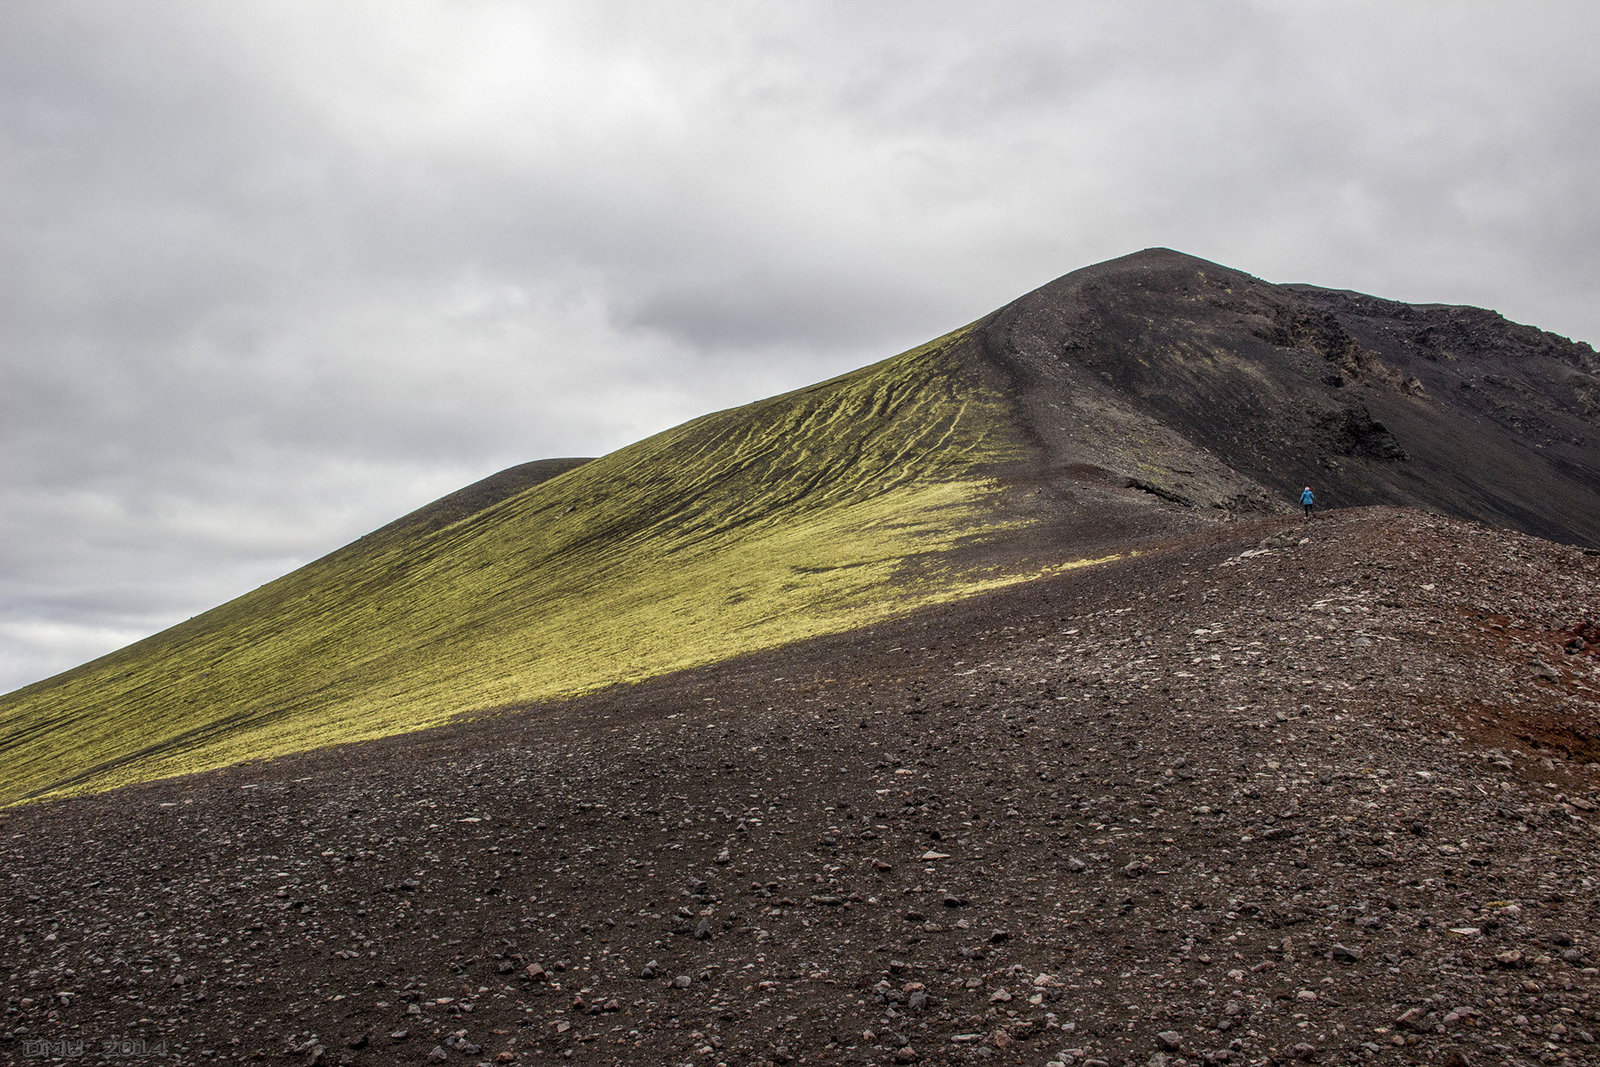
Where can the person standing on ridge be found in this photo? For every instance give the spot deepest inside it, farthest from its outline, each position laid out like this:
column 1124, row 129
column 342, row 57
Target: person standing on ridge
column 1306, row 500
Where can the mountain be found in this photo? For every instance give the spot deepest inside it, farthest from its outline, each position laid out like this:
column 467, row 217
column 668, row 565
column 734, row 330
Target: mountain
column 1150, row 397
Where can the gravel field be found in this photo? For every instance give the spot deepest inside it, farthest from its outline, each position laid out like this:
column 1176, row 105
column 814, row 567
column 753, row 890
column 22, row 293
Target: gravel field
column 1272, row 792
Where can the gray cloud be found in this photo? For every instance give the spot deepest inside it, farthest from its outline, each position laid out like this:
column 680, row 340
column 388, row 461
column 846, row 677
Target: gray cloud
column 274, row 274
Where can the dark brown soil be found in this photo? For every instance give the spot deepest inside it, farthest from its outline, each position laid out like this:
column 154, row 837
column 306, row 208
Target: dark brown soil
column 1276, row 791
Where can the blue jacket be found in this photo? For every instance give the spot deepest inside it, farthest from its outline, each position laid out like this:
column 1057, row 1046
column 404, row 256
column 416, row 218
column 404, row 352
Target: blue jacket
column 1306, row 498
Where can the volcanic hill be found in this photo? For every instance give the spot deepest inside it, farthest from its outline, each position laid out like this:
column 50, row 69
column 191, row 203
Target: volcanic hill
column 1133, row 399
column 993, row 703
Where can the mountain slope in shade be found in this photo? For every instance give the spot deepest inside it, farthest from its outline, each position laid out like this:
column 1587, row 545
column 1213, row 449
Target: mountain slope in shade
column 1130, row 401
column 1236, row 392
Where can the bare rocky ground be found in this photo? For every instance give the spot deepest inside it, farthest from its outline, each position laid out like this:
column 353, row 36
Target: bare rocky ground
column 1275, row 792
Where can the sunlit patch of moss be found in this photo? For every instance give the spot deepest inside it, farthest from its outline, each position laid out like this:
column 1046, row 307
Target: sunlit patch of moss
column 805, row 514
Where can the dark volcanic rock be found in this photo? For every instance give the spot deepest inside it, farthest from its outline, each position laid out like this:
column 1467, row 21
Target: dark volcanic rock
column 1364, row 831
column 1209, row 388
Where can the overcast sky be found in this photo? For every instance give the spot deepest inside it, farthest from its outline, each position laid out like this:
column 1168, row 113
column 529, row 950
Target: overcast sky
column 273, row 274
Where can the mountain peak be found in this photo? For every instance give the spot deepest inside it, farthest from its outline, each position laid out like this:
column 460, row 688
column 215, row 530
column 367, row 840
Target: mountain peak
column 1147, row 264
column 1222, row 390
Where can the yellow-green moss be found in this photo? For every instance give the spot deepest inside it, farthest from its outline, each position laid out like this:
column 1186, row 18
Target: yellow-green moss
column 742, row 530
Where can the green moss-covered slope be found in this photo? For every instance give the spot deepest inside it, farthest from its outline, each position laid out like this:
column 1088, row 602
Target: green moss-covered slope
column 812, row 512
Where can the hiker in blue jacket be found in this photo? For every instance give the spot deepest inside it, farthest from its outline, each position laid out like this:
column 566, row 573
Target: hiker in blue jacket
column 1306, row 500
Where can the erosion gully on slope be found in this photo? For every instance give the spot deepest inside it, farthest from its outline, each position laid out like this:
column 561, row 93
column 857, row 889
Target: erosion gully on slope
column 1287, row 791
